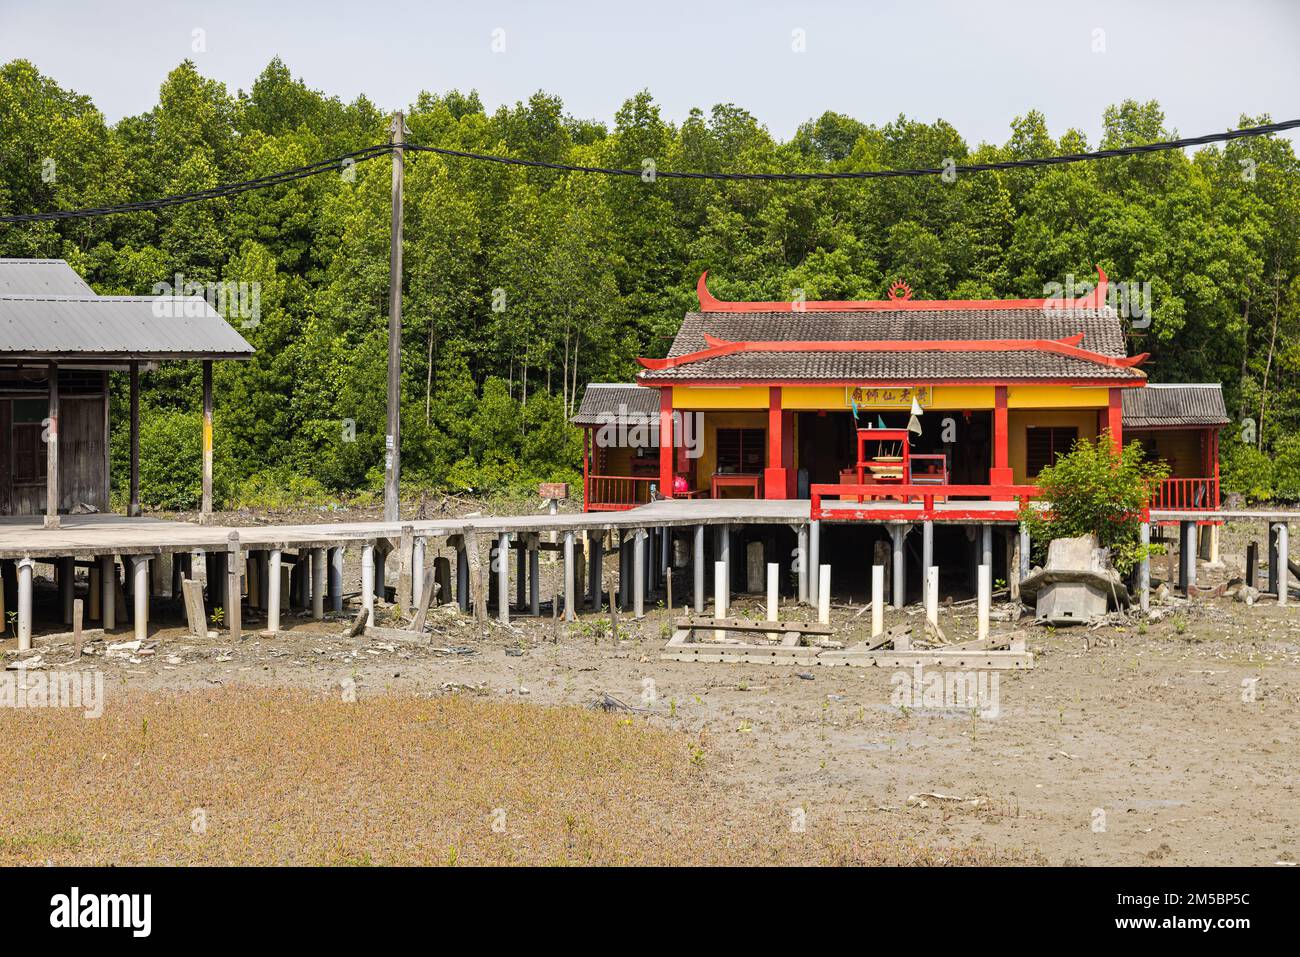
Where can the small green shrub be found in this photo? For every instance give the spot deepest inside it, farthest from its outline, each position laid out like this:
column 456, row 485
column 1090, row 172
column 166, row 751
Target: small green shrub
column 1093, row 489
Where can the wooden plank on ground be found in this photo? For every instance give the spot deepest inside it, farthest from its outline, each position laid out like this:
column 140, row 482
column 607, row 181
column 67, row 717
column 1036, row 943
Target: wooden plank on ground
column 396, row 634
column 426, row 599
column 195, row 614
column 753, row 624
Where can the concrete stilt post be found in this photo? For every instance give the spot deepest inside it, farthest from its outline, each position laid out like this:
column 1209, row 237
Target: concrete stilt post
column 503, row 577
column 899, row 533
column 814, row 559
column 67, row 586
column 108, row 591
column 318, row 583
column 877, row 600
column 368, row 581
column 721, row 595
column 140, row 596
column 986, row 546
column 824, row 594
column 984, row 598
column 595, row 564
column 773, row 590
column 1284, row 571
column 570, row 578
column 336, row 578
column 640, row 540
column 801, row 557
column 534, row 578
column 932, row 596
column 274, row 578
column 927, row 550
column 462, row 575
column 1144, row 570
column 521, row 575
column 419, row 546
column 699, row 570
column 25, row 566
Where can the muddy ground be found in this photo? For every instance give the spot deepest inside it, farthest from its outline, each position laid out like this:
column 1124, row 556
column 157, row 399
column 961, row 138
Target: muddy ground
column 1174, row 740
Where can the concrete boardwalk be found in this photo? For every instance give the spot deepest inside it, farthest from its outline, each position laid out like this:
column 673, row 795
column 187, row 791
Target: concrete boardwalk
column 103, row 534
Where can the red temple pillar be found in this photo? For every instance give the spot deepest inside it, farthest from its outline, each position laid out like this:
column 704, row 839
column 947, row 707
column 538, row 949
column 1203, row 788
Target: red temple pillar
column 1115, row 419
column 666, row 442
column 1000, row 473
column 774, row 481
column 586, row 469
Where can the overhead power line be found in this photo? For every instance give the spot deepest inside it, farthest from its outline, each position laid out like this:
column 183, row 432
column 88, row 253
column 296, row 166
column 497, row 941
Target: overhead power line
column 882, row 173
column 372, row 152
column 216, row 192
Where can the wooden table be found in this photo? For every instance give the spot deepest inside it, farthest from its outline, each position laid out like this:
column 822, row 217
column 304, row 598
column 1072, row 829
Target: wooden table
column 751, row 481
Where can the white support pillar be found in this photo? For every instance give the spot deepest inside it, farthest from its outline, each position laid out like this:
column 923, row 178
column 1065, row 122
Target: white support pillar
column 724, row 552
column 721, row 595
column 773, row 590
column 521, row 574
column 1024, row 552
column 984, row 599
column 140, row 595
column 570, row 577
column 927, row 550
column 273, row 580
column 418, row 548
column 932, row 596
column 1283, row 569
column 824, row 594
column 534, row 578
column 367, row 581
column 986, row 545
column 877, row 600
column 639, row 543
column 801, row 561
column 25, row 566
column 318, row 583
column 814, row 559
column 1144, row 570
column 503, row 577
column 898, row 533
column 699, row 570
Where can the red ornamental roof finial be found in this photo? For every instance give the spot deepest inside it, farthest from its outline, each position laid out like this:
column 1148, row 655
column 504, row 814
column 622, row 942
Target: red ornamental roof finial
column 900, row 291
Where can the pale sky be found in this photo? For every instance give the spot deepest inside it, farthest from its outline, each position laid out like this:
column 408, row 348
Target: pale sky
column 976, row 65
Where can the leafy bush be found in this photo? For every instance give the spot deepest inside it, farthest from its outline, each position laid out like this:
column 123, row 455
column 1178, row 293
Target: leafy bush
column 171, row 461
column 279, row 488
column 1095, row 490
column 1246, row 470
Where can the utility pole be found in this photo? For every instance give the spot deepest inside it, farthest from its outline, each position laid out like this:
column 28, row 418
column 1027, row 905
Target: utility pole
column 393, row 438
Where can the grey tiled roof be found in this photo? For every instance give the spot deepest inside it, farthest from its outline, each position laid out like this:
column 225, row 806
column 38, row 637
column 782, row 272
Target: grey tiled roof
column 1167, row 404
column 608, row 402
column 1101, row 328
column 893, row 366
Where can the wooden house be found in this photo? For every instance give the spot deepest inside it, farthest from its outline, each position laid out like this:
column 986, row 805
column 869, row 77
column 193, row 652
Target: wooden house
column 58, row 343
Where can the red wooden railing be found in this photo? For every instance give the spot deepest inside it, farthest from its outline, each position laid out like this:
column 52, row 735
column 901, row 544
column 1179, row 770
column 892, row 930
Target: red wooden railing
column 615, row 493
column 1187, row 494
column 901, row 501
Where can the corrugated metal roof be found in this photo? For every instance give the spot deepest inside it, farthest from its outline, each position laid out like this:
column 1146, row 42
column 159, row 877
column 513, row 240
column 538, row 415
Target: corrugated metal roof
column 40, row 277
column 606, row 403
column 131, row 327
column 1172, row 404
